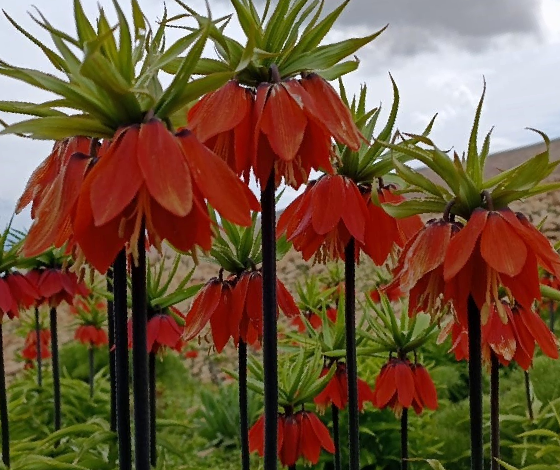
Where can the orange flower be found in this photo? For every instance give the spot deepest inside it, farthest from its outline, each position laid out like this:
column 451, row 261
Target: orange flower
column 295, row 121
column 29, row 351
column 301, row 434
column 392, row 291
column 91, row 336
column 234, row 308
column 16, row 291
column 321, row 221
column 401, row 384
column 53, row 189
column 153, row 176
column 221, row 120
column 55, row 286
column 500, row 248
column 336, row 391
column 419, row 271
column 382, row 231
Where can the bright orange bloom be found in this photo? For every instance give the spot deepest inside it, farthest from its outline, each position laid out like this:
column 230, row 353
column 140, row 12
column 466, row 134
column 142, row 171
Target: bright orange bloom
column 392, row 291
column 336, row 391
column 55, row 286
column 234, row 308
column 500, row 248
column 53, row 189
column 162, row 331
column 91, row 336
column 321, row 221
column 130, row 185
column 301, row 434
column 401, row 384
column 382, row 231
column 294, row 123
column 221, row 120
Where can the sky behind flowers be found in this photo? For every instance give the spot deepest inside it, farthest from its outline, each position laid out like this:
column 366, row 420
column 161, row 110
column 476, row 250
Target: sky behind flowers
column 437, row 51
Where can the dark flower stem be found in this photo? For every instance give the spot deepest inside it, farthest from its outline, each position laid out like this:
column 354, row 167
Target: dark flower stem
column 91, row 354
column 475, row 385
column 528, row 395
column 112, row 359
column 404, row 439
column 4, row 406
column 153, row 448
column 552, row 312
column 292, row 467
column 494, row 412
column 55, row 368
column 336, row 437
column 140, row 367
column 351, row 360
column 270, row 351
column 121, row 362
column 39, row 346
column 243, row 406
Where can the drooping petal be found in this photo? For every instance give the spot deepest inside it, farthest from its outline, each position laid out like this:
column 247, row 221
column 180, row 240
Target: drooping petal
column 328, row 203
column 355, row 213
column 217, row 183
column 501, row 247
column 6, row 299
column 461, row 245
column 404, row 380
column 116, row 178
column 310, row 447
column 202, row 308
column 256, row 437
column 285, row 300
column 164, row 167
column 425, row 387
column 321, row 432
column 290, row 445
column 219, row 320
column 385, row 386
column 543, row 336
column 284, row 122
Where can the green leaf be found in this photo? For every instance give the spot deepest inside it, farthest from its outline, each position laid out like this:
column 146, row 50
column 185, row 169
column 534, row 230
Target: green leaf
column 325, row 57
column 414, row 207
column 58, row 128
column 417, row 179
column 126, row 66
column 338, row 70
column 84, row 28
column 32, row 109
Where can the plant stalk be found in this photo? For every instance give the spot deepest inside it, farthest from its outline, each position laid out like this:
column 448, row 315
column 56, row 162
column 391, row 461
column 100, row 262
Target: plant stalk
column 122, row 373
column 4, row 406
column 91, row 354
column 552, row 314
column 336, row 437
column 404, row 439
column 269, row 341
column 243, row 406
column 39, row 347
column 475, row 385
column 528, row 395
column 351, row 359
column 140, row 367
column 153, row 442
column 55, row 368
column 494, row 412
column 112, row 352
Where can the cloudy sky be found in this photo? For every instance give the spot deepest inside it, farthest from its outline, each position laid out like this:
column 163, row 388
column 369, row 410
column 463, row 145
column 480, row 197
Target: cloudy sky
column 438, row 51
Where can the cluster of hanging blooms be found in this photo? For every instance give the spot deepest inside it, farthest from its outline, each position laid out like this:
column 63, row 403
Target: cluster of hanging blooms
column 91, row 316
column 301, row 434
column 34, row 345
column 402, row 384
column 55, row 285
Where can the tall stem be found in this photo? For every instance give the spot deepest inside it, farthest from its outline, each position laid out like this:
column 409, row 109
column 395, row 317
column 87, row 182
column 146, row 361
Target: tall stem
column 270, row 351
column 494, row 412
column 404, row 439
column 112, row 352
column 475, row 385
column 153, row 448
column 122, row 373
column 91, row 355
column 243, row 406
column 336, row 437
column 55, row 368
column 140, row 369
column 351, row 360
column 4, row 406
column 39, row 347
column 552, row 312
column 528, row 395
